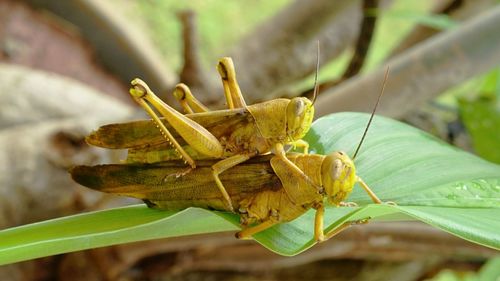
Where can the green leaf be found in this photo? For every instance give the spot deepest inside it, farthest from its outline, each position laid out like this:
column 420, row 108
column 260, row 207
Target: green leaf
column 104, row 228
column 481, row 117
column 491, row 84
column 491, row 270
column 428, row 179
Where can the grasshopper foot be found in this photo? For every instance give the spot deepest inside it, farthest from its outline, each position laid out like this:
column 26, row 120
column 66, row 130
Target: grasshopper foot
column 348, row 204
column 240, row 235
column 229, row 205
column 360, row 221
column 183, row 172
column 390, row 203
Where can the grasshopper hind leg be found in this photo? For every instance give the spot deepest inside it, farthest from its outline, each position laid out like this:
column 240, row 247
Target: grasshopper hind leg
column 198, row 137
column 248, row 232
column 319, row 234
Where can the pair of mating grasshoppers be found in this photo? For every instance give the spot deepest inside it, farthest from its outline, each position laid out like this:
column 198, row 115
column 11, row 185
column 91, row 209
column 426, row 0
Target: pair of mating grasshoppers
column 229, row 168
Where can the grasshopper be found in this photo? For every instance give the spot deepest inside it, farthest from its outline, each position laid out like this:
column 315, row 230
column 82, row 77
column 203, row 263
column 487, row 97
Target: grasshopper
column 233, row 135
column 265, row 191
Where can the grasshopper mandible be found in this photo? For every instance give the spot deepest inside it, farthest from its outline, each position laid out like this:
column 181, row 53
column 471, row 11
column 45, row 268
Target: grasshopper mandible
column 233, row 135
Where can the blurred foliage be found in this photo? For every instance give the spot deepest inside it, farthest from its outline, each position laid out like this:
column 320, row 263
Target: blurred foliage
column 481, row 117
column 223, row 23
column 489, row 272
column 491, row 84
column 220, row 24
column 435, row 21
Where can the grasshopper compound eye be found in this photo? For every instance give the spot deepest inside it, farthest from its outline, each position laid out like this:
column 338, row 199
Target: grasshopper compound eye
column 299, row 107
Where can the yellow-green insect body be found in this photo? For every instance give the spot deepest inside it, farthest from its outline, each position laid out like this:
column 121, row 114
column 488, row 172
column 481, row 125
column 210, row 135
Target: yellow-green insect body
column 251, row 130
column 233, row 135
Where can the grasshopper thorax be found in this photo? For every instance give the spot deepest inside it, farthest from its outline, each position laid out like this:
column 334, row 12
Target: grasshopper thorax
column 299, row 116
column 338, row 176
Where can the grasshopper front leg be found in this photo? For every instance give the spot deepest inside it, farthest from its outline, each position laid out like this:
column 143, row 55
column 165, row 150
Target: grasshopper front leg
column 369, row 191
column 193, row 133
column 223, row 165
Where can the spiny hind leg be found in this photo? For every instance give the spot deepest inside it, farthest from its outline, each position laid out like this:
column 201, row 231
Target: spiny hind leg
column 148, row 100
column 232, row 91
column 186, row 99
column 319, row 234
column 248, row 232
column 223, row 165
column 198, row 137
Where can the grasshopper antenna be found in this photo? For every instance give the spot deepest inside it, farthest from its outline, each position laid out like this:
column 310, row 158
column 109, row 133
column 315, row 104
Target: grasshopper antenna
column 373, row 113
column 315, row 93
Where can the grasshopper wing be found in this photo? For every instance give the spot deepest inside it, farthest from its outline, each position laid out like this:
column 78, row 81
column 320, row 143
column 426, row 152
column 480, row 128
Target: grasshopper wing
column 145, row 134
column 168, row 185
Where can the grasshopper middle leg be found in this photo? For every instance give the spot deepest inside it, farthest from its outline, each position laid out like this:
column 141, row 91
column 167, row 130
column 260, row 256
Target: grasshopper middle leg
column 223, row 165
column 301, row 144
column 247, row 233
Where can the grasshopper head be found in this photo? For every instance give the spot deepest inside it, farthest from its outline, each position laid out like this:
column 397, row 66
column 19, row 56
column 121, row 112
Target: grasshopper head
column 299, row 116
column 338, row 176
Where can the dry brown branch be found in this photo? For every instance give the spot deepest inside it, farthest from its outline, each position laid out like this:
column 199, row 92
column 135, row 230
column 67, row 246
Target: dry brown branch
column 459, row 10
column 192, row 73
column 283, row 49
column 360, row 49
column 364, row 39
column 423, row 72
